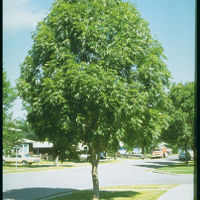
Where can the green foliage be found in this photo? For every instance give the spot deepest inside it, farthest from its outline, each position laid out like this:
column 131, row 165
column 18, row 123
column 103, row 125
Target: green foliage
column 26, row 130
column 94, row 76
column 9, row 95
column 95, row 65
column 181, row 125
column 10, row 136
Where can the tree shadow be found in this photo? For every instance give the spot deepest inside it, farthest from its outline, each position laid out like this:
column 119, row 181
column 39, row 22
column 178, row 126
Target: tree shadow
column 33, row 193
column 43, row 193
column 157, row 164
column 153, row 166
column 108, row 195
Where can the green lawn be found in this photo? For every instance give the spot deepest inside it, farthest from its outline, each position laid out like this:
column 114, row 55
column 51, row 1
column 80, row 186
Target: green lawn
column 49, row 165
column 33, row 168
column 133, row 192
column 177, row 168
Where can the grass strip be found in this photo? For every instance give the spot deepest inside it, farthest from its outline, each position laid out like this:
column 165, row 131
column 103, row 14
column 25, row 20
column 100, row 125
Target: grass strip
column 146, row 186
column 46, row 166
column 177, row 168
column 125, row 192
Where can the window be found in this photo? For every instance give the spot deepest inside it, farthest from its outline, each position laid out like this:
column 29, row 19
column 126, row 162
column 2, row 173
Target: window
column 26, row 148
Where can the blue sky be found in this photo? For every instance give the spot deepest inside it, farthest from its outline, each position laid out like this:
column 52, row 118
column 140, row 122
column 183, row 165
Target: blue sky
column 172, row 22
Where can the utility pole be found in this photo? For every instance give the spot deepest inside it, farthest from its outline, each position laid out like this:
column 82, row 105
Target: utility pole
column 16, row 147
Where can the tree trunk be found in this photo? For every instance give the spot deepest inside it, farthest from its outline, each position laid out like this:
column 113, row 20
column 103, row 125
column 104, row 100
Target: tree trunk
column 186, row 155
column 115, row 156
column 46, row 156
column 56, row 161
column 143, row 151
column 95, row 179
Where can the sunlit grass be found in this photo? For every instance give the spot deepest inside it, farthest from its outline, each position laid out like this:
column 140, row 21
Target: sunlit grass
column 178, row 168
column 146, row 186
column 32, row 168
column 49, row 165
column 125, row 192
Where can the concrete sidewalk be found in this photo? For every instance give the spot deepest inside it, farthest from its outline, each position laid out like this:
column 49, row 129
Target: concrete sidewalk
column 183, row 192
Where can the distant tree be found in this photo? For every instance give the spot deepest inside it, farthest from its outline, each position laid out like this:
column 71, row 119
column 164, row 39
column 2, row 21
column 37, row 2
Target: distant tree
column 92, row 68
column 9, row 95
column 11, row 135
column 26, row 130
column 181, row 125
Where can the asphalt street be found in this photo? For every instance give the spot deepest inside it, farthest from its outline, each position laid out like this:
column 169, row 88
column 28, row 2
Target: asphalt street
column 31, row 186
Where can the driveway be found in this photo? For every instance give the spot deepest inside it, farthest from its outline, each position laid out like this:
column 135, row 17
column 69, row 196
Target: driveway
column 23, row 186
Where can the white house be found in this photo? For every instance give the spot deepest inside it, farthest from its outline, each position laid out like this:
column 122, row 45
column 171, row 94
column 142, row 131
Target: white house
column 29, row 146
column 26, row 146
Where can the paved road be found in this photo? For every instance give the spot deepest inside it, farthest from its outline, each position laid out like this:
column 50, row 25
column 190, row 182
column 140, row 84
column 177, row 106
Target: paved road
column 31, row 186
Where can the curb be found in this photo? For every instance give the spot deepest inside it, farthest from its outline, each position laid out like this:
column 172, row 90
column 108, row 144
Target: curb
column 157, row 172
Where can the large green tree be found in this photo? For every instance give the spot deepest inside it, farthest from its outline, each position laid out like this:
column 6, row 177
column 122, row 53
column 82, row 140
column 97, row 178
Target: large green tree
column 93, row 70
column 181, row 117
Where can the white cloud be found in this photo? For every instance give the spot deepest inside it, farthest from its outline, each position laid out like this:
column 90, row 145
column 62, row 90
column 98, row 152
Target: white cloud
column 18, row 15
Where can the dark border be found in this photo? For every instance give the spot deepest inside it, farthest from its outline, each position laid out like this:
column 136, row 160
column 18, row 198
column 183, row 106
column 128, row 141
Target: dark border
column 1, row 82
column 197, row 107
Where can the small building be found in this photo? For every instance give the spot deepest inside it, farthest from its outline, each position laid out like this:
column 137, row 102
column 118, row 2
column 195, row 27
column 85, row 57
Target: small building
column 33, row 147
column 42, row 148
column 26, row 146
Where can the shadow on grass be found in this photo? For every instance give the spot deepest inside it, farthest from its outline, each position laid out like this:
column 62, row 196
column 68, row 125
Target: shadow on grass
column 78, row 161
column 157, row 165
column 43, row 193
column 33, row 193
column 154, row 165
column 108, row 195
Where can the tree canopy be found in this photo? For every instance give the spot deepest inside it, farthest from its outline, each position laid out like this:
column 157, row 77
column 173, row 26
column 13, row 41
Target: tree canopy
column 181, row 113
column 92, row 71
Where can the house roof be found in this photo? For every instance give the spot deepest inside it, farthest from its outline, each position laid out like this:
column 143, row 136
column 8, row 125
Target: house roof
column 38, row 144
column 14, row 129
column 27, row 141
column 42, row 145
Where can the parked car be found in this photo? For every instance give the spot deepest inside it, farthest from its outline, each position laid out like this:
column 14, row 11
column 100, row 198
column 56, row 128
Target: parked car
column 85, row 157
column 137, row 155
column 182, row 156
column 122, row 151
column 157, row 153
column 102, row 156
column 26, row 159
